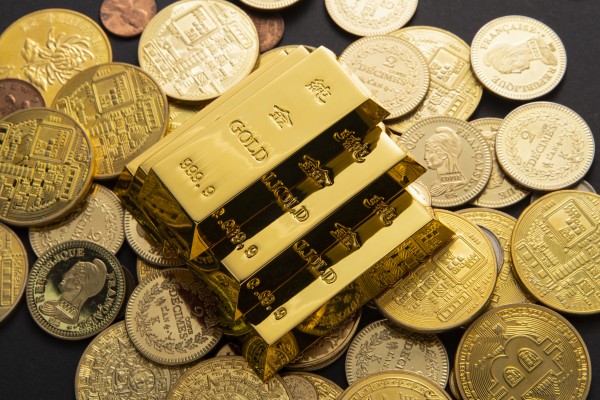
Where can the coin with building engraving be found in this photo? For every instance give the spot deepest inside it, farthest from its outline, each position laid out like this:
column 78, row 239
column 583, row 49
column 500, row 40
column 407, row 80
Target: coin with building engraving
column 555, row 251
column 394, row 70
column 582, row 185
column 545, row 146
column 269, row 27
column 47, row 48
column 169, row 317
column 98, row 219
column 453, row 89
column 518, row 57
column 121, row 108
column 112, row 368
column 14, row 269
column 46, row 166
column 508, row 290
column 75, row 289
column 457, row 157
column 371, row 18
column 380, row 346
column 127, row 18
column 394, row 385
column 500, row 191
column 522, row 351
column 198, row 49
column 16, row 94
column 450, row 288
column 227, row 377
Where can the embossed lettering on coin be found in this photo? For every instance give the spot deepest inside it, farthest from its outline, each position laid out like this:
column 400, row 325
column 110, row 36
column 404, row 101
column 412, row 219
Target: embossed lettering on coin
column 394, row 385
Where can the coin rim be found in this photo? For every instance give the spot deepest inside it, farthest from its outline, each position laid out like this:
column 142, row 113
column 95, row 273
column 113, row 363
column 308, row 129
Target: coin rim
column 13, row 306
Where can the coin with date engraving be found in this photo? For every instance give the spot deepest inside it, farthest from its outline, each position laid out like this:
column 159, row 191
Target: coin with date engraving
column 394, row 385
column 127, row 18
column 16, row 94
column 371, row 18
column 75, row 289
column 13, row 270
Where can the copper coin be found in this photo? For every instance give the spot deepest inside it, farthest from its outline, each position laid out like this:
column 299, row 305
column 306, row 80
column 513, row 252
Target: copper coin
column 127, row 18
column 16, row 94
column 269, row 27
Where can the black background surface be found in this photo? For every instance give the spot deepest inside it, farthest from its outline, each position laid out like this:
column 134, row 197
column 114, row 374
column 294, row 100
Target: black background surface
column 35, row 365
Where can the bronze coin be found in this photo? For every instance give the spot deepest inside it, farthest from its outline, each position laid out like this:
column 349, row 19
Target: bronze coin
column 269, row 27
column 127, row 18
column 16, row 94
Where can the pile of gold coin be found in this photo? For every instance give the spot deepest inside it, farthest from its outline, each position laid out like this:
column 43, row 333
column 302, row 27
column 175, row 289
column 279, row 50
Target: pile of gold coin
column 73, row 120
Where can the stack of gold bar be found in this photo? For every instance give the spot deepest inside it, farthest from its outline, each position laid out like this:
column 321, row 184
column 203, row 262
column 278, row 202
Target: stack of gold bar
column 288, row 199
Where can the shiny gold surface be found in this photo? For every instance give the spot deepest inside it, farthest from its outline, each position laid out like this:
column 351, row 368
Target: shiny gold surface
column 394, row 385
column 269, row 4
column 13, row 271
column 179, row 114
column 144, row 269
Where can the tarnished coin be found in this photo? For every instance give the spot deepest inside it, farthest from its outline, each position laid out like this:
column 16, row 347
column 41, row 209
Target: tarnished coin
column 500, row 191
column 453, row 89
column 544, row 146
column 127, row 18
column 169, row 317
column 507, row 290
column 582, row 185
column 14, row 268
column 145, row 269
column 112, row 368
column 122, row 109
column 75, row 289
column 269, row 4
column 449, row 289
column 299, row 387
column 98, row 220
column 178, row 114
column 269, row 27
column 145, row 247
column 518, row 57
column 183, row 48
column 522, row 351
column 496, row 245
column 554, row 249
column 46, row 166
column 380, row 346
column 457, row 157
column 226, row 378
column 394, row 385
column 393, row 69
column 368, row 19
column 16, row 94
column 47, row 48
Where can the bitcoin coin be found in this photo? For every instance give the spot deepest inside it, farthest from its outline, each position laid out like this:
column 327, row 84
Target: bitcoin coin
column 16, row 94
column 370, row 353
column 449, row 289
column 544, row 146
column 393, row 69
column 500, row 191
column 554, row 248
column 451, row 77
column 518, row 57
column 13, row 271
column 98, row 220
column 457, row 158
column 394, row 385
column 121, row 108
column 75, row 289
column 127, row 18
column 47, row 48
column 582, row 185
column 522, row 351
column 46, row 166
column 183, row 48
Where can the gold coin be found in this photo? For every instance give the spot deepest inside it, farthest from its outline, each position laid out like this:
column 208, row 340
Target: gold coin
column 145, row 269
column 75, row 290
column 449, row 289
column 518, row 57
column 111, row 368
column 197, row 49
column 453, row 386
column 121, row 108
column 369, row 353
column 394, row 385
column 457, row 157
column 451, row 77
column 582, row 185
column 47, row 48
column 178, row 114
column 544, row 146
column 269, row 4
column 371, row 18
column 97, row 220
column 507, row 290
column 169, row 317
column 393, row 69
column 326, row 389
column 554, row 249
column 46, row 166
column 522, row 351
column 13, row 271
column 226, row 377
column 500, row 191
